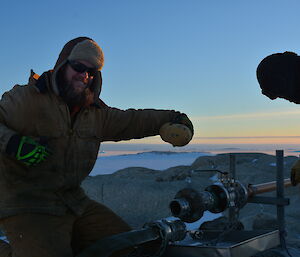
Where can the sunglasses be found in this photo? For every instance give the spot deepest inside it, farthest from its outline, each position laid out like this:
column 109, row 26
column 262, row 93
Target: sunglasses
column 81, row 68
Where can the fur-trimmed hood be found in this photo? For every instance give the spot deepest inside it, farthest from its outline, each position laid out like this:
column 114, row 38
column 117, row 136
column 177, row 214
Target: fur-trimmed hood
column 81, row 48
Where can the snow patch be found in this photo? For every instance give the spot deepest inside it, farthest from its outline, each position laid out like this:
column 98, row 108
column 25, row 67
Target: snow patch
column 214, row 178
column 273, row 164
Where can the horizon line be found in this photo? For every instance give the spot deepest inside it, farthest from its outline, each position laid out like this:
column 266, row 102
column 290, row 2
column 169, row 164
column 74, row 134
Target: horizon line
column 230, row 137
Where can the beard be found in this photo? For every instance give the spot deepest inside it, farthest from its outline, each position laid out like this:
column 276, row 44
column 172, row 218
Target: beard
column 68, row 93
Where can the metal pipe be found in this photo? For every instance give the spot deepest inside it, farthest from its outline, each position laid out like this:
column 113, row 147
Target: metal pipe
column 106, row 246
column 180, row 207
column 266, row 187
column 166, row 231
column 280, row 195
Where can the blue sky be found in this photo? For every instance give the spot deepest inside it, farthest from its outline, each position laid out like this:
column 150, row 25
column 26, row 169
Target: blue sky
column 198, row 57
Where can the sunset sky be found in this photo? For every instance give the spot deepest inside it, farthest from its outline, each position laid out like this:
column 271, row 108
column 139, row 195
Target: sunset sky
column 198, row 57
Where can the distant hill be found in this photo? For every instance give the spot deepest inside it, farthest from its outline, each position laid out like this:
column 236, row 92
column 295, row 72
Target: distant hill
column 159, row 160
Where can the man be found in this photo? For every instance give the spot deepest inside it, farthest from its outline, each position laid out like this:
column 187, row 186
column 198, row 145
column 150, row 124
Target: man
column 50, row 134
column 279, row 76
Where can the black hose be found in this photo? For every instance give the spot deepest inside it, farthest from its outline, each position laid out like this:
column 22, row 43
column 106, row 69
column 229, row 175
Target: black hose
column 106, row 246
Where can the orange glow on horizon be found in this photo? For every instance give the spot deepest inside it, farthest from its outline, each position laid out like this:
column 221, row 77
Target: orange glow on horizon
column 225, row 140
column 247, row 140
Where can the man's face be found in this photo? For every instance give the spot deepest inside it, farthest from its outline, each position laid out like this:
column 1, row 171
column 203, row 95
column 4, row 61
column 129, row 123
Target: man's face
column 75, row 80
column 77, row 77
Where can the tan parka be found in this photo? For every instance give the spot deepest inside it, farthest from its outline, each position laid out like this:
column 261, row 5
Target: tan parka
column 37, row 110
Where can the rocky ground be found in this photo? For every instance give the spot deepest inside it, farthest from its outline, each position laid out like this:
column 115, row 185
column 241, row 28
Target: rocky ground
column 140, row 195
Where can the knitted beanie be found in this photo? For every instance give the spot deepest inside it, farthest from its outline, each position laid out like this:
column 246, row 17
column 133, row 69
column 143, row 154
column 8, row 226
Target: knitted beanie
column 279, row 76
column 82, row 48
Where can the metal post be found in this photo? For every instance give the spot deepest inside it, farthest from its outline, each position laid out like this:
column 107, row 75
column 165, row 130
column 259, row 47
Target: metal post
column 232, row 165
column 280, row 195
column 232, row 210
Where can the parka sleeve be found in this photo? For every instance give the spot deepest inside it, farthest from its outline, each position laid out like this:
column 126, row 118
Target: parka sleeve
column 133, row 124
column 7, row 114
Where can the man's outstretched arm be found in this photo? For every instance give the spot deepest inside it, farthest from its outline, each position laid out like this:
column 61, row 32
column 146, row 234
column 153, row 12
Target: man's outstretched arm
column 116, row 125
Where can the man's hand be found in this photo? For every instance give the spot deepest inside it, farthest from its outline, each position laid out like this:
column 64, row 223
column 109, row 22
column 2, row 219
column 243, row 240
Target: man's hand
column 295, row 173
column 183, row 119
column 178, row 132
column 27, row 150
